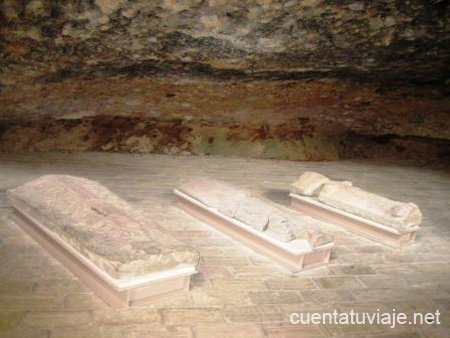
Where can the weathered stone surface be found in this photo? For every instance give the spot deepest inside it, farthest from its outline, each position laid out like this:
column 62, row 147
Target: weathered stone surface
column 9, row 320
column 137, row 315
column 288, row 330
column 237, row 284
column 377, row 208
column 235, row 330
column 188, row 315
column 275, row 297
column 282, row 228
column 254, row 211
column 254, row 78
column 253, row 314
column 224, row 38
column 291, row 284
column 214, row 193
column 101, row 226
column 341, row 283
column 287, row 227
column 343, row 195
column 309, row 183
column 58, row 318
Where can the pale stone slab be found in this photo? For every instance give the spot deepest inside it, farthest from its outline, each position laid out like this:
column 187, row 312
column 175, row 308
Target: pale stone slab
column 344, row 196
column 225, row 330
column 397, row 215
column 294, row 255
column 282, row 228
column 253, row 211
column 309, row 183
column 287, row 228
column 214, row 193
column 101, row 226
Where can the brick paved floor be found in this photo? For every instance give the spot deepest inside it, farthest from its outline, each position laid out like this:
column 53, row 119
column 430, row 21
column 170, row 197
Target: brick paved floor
column 237, row 293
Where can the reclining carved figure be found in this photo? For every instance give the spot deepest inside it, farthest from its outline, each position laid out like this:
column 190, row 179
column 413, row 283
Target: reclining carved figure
column 253, row 211
column 344, row 196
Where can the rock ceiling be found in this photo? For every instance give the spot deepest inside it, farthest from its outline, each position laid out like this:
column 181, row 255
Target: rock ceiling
column 195, row 76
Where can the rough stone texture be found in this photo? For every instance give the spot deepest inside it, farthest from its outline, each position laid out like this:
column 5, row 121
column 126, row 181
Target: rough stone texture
column 282, row 228
column 300, row 80
column 225, row 38
column 309, row 183
column 377, row 208
column 343, row 195
column 232, row 279
column 215, row 193
column 101, row 226
column 255, row 212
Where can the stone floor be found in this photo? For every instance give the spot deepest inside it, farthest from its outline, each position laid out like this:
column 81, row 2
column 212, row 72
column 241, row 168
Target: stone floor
column 237, row 293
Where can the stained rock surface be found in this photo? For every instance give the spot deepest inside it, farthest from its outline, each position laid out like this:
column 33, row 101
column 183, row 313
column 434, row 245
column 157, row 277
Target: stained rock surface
column 101, row 226
column 298, row 80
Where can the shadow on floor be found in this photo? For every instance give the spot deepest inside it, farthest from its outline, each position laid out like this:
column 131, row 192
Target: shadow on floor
column 280, row 196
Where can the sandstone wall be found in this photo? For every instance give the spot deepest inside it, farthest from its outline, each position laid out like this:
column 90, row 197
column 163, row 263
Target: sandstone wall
column 302, row 80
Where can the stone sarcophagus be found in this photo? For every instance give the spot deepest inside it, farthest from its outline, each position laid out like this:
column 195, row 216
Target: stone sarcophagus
column 124, row 258
column 294, row 242
column 390, row 222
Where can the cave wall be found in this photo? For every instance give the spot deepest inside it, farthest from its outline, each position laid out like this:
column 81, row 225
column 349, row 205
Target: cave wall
column 300, row 80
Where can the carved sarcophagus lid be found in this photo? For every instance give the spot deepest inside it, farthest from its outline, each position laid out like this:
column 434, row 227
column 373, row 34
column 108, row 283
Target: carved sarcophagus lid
column 397, row 215
column 362, row 211
column 256, row 222
column 100, row 229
